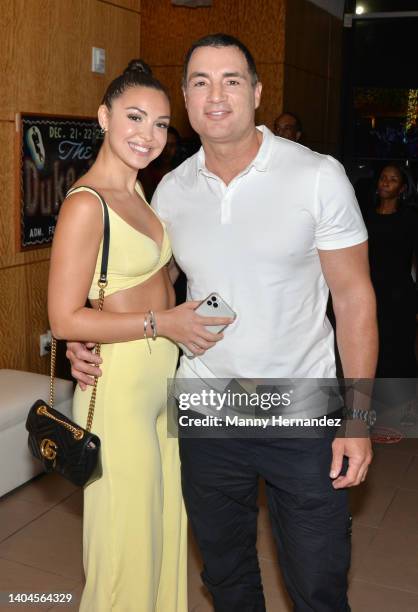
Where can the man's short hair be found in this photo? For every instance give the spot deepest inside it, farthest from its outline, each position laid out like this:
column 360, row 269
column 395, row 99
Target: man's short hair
column 221, row 40
column 298, row 123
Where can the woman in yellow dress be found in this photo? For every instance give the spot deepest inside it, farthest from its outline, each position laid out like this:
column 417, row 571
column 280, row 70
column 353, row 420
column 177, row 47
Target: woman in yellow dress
column 134, row 542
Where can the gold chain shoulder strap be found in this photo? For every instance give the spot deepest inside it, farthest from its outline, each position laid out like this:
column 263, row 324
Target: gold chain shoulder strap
column 97, row 350
column 52, row 373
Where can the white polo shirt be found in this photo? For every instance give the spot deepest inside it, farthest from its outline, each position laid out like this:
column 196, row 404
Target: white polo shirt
column 255, row 242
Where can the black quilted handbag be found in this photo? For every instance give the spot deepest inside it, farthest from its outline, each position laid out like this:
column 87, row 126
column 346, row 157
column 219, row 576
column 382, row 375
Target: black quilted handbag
column 62, row 445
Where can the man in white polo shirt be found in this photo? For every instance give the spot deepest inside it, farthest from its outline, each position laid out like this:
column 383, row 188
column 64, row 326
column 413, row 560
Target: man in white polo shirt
column 255, row 242
column 270, row 226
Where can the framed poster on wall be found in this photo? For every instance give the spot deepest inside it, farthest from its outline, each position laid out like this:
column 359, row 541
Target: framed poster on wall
column 52, row 152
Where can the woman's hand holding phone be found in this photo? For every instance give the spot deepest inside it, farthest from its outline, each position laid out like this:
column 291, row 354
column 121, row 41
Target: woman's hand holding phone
column 190, row 329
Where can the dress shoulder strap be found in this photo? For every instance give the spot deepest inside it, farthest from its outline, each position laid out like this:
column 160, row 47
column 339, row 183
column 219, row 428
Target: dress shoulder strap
column 89, row 190
column 106, row 229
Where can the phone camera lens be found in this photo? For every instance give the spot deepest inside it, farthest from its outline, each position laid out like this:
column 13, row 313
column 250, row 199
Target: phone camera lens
column 215, row 305
column 214, row 298
column 209, row 303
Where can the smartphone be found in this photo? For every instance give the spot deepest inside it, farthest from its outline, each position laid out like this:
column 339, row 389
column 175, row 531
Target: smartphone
column 212, row 306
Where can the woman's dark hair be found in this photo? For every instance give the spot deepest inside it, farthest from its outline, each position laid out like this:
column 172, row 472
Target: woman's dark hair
column 221, row 40
column 136, row 74
column 409, row 195
column 172, row 130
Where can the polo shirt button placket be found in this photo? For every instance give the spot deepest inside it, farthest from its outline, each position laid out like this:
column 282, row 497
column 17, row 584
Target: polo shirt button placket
column 226, row 206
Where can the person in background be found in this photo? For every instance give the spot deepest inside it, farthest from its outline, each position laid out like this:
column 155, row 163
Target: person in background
column 288, row 125
column 171, row 157
column 392, row 223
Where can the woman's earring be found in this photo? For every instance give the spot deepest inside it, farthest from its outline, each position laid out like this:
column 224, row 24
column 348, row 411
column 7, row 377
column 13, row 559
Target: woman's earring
column 103, row 130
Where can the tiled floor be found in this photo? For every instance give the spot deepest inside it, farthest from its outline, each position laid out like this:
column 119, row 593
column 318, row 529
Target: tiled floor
column 42, row 518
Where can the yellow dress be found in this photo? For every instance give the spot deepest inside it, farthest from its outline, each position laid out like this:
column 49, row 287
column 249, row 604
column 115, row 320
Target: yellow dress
column 134, row 531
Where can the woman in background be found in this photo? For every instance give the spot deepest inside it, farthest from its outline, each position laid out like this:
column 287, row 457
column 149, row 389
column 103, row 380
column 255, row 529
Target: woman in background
column 134, row 521
column 392, row 224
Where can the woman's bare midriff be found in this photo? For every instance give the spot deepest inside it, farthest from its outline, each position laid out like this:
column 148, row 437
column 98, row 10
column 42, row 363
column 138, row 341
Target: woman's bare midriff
column 155, row 294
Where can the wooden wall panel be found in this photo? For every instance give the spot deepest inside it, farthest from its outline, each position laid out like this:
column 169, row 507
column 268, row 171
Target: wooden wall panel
column 13, row 319
column 45, row 56
column 333, row 123
column 307, row 36
column 306, row 95
column 36, row 283
column 271, row 76
column 53, row 71
column 261, row 26
column 117, row 31
column 171, row 77
column 335, row 50
column 133, row 5
column 313, row 67
column 168, row 31
column 6, row 52
column 23, row 316
column 7, row 195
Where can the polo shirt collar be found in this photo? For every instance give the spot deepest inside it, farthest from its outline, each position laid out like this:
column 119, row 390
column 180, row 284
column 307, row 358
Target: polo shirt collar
column 201, row 167
column 260, row 162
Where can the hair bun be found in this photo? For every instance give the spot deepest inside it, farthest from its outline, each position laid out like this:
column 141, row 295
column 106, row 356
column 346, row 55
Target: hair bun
column 138, row 65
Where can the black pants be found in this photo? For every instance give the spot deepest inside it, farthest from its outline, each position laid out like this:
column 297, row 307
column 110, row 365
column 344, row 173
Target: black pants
column 310, row 519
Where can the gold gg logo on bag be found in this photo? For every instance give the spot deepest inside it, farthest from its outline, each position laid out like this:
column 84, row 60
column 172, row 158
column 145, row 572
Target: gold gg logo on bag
column 48, row 449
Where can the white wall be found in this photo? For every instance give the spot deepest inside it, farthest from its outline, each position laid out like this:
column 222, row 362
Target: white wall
column 335, row 7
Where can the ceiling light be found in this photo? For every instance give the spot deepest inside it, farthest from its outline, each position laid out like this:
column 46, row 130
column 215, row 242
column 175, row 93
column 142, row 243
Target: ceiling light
column 360, row 9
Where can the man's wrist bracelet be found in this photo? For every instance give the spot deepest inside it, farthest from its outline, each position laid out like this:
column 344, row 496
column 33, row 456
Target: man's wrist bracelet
column 368, row 417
